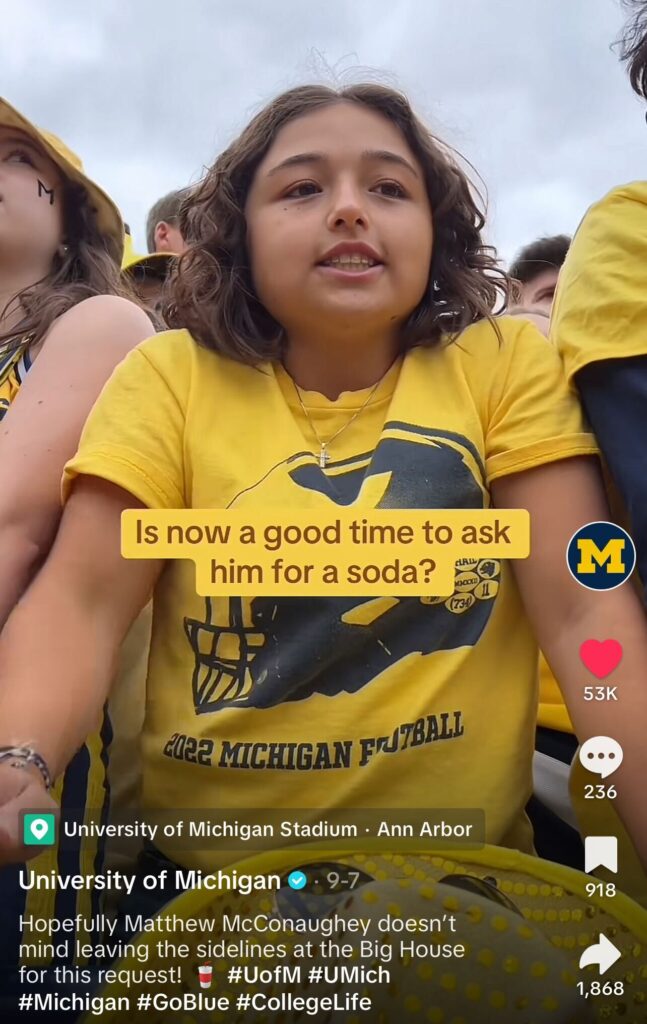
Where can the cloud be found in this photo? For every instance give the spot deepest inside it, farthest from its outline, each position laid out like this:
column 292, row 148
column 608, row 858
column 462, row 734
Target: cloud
column 149, row 92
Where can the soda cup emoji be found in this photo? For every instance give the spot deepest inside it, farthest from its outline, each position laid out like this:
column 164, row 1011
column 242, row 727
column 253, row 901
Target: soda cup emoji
column 205, row 972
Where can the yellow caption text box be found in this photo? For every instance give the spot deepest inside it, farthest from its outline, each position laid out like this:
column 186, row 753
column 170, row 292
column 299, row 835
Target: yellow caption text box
column 342, row 552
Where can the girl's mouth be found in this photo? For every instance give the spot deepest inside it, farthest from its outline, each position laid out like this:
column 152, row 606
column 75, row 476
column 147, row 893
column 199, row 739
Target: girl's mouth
column 352, row 258
column 351, row 263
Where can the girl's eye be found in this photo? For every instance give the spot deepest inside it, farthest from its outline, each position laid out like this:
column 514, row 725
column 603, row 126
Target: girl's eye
column 22, row 156
column 391, row 189
column 304, row 188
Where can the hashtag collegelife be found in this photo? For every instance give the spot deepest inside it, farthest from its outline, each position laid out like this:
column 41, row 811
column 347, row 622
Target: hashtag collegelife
column 311, row 1005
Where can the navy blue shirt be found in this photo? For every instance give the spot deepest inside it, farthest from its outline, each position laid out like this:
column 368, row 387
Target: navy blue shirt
column 614, row 396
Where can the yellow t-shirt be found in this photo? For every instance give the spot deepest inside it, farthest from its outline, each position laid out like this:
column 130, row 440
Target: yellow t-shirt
column 346, row 702
column 600, row 313
column 600, row 310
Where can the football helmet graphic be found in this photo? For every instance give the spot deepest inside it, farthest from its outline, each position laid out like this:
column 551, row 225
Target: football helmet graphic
column 260, row 652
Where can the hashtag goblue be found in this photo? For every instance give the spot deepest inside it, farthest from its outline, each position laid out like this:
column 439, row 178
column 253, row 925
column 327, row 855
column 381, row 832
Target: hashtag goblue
column 188, row 1001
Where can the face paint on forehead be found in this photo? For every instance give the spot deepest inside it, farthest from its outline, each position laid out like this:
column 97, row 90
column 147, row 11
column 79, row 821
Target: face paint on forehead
column 43, row 190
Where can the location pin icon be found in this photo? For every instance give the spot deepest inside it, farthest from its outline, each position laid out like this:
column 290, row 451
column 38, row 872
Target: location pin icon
column 39, row 828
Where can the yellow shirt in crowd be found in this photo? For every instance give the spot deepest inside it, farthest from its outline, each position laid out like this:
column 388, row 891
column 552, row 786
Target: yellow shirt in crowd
column 346, row 702
column 599, row 313
column 600, row 310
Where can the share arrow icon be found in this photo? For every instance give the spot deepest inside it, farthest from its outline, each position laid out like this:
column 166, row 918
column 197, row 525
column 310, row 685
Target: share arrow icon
column 604, row 954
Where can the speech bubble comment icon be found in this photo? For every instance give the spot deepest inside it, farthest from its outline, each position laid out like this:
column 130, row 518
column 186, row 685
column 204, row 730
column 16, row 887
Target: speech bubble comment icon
column 602, row 755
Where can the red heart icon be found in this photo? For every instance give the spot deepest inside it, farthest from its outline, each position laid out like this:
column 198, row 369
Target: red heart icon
column 601, row 656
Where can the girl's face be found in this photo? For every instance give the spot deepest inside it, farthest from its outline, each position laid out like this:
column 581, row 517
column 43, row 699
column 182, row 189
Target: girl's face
column 339, row 223
column 31, row 202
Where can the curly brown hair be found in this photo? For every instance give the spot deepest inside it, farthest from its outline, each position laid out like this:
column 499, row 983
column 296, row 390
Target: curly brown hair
column 90, row 266
column 213, row 293
column 633, row 45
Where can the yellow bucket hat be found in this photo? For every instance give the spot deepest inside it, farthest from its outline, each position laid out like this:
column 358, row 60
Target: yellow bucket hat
column 108, row 217
column 157, row 262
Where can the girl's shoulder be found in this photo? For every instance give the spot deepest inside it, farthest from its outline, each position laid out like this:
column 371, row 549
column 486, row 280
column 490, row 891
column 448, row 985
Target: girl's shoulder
column 492, row 357
column 176, row 352
column 104, row 311
column 102, row 329
column 489, row 342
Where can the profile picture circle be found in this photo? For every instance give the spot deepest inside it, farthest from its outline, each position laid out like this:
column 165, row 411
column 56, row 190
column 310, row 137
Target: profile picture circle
column 601, row 556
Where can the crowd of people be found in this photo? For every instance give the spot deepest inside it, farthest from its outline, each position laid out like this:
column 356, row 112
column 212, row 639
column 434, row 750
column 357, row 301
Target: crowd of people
column 336, row 246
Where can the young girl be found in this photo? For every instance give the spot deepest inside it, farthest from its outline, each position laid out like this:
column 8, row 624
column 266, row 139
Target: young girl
column 65, row 323
column 339, row 350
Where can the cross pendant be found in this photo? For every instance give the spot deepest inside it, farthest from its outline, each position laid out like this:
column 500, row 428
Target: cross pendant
column 324, row 457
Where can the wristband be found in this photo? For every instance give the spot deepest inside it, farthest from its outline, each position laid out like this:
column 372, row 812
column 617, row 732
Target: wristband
column 21, row 757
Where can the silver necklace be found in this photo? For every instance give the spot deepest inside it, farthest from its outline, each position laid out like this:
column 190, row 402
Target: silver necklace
column 324, row 455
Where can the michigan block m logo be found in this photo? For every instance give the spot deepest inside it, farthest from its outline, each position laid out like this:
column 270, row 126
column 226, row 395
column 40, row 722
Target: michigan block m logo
column 601, row 556
column 610, row 558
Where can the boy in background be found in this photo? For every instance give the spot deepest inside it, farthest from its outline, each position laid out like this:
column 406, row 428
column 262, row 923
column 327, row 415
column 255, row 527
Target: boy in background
column 162, row 224
column 536, row 269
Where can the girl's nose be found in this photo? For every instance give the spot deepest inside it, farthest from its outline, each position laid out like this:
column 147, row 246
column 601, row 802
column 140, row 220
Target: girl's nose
column 347, row 208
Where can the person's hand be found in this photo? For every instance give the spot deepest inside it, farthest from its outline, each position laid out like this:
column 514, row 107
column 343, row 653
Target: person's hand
column 20, row 790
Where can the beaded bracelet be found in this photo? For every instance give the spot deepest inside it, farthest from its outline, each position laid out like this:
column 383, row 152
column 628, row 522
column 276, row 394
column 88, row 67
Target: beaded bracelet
column 21, row 757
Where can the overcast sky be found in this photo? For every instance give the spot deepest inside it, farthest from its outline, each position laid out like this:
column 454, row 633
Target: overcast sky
column 149, row 91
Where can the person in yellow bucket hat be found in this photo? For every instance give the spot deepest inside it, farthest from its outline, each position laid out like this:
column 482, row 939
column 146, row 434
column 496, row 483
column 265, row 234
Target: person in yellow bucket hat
column 147, row 273
column 105, row 211
column 66, row 319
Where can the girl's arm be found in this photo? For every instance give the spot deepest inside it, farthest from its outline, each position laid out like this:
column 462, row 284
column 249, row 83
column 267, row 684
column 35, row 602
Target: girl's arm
column 561, row 497
column 58, row 650
column 41, row 430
